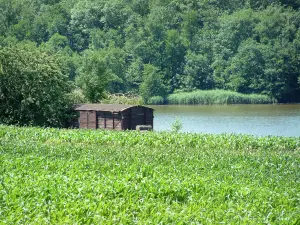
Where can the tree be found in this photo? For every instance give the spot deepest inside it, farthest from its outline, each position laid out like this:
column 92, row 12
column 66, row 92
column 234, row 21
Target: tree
column 134, row 75
column 197, row 73
column 246, row 69
column 115, row 14
column 103, row 39
column 193, row 44
column 296, row 48
column 57, row 43
column 8, row 15
column 34, row 87
column 190, row 26
column 141, row 7
column 115, row 60
column 174, row 58
column 152, row 84
column 85, row 15
column 93, row 76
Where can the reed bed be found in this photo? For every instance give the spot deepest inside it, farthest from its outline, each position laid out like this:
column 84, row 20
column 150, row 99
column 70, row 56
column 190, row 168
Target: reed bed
column 222, row 97
column 127, row 99
column 156, row 100
column 53, row 176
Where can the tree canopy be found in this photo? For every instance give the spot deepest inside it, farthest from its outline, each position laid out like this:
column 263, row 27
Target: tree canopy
column 34, row 88
column 248, row 46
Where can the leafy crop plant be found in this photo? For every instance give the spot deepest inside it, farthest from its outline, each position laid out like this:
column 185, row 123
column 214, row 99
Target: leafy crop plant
column 57, row 176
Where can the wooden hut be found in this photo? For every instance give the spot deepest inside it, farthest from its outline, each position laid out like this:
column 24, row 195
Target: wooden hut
column 114, row 116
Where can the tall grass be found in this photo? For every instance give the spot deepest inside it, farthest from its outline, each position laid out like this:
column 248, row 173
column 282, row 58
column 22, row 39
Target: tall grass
column 127, row 99
column 209, row 97
column 52, row 176
column 156, row 100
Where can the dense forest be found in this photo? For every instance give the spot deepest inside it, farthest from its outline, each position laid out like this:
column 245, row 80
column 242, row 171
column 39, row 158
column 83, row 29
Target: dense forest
column 156, row 47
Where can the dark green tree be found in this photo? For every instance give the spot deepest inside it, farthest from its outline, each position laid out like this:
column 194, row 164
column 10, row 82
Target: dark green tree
column 250, row 46
column 34, row 87
column 246, row 69
column 9, row 13
column 197, row 73
column 153, row 84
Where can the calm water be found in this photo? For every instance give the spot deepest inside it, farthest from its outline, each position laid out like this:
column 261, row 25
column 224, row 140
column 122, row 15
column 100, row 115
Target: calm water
column 262, row 120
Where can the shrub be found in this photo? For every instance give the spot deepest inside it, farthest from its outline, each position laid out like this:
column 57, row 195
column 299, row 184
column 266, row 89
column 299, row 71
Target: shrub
column 176, row 126
column 34, row 87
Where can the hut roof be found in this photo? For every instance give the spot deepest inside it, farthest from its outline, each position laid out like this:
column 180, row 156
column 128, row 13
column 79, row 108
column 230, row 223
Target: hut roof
column 104, row 107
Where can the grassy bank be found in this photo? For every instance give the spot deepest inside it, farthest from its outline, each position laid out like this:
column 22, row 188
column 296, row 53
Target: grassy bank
column 200, row 97
column 51, row 176
column 126, row 99
column 209, row 97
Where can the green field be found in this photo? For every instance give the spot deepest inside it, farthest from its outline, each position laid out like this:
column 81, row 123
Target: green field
column 52, row 176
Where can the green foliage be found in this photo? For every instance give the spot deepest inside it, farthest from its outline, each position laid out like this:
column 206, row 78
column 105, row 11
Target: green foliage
column 134, row 76
column 211, row 97
column 115, row 60
column 156, row 100
column 93, row 77
column 115, row 14
column 127, row 99
column 249, row 46
column 141, row 7
column 34, row 87
column 77, row 97
column 153, row 83
column 57, row 42
column 255, row 53
column 246, row 69
column 197, row 73
column 8, row 15
column 176, row 126
column 57, row 176
column 174, row 57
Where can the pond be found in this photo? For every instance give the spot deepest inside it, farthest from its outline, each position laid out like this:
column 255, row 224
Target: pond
column 259, row 120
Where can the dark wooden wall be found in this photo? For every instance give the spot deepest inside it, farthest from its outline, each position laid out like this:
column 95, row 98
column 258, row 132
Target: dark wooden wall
column 87, row 119
column 125, row 120
column 137, row 116
column 109, row 120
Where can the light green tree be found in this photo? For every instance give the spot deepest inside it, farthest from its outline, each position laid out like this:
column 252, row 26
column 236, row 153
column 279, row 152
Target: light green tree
column 93, row 76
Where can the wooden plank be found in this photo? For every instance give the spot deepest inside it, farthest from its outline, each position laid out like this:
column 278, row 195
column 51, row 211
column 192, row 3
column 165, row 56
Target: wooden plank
column 130, row 119
column 118, row 126
column 113, row 121
column 109, row 123
column 83, row 120
column 145, row 115
column 92, row 120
